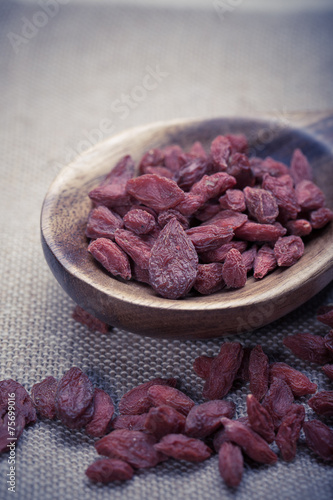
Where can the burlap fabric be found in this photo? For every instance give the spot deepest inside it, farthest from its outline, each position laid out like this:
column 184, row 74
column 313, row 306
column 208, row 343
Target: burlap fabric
column 66, row 75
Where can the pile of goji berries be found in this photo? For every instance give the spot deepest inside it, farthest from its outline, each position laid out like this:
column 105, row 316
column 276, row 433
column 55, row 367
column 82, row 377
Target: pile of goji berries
column 156, row 421
column 198, row 222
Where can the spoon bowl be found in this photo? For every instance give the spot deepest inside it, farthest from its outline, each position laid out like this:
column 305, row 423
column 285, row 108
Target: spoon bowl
column 134, row 306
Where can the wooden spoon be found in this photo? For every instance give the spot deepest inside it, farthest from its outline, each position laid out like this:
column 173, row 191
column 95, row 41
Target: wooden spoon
column 135, row 306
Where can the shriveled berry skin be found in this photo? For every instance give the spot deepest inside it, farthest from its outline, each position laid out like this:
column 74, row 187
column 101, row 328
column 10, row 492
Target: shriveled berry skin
column 202, row 365
column 89, row 320
column 139, row 221
column 136, row 401
column 258, row 372
column 261, row 204
column 134, row 447
column 300, row 168
column 319, row 437
column 102, row 223
column 322, row 403
column 278, row 400
column 220, row 150
column 134, row 246
column 233, row 199
column 219, row 255
column 234, row 272
column 164, row 395
column 319, row 218
column 309, row 196
column 43, row 396
column 223, row 371
column 298, row 227
column 289, row 431
column 253, row 231
column 182, row 447
column 204, row 419
column 259, row 419
column 113, row 258
column 328, row 370
column 100, row 423
column 154, row 191
column 205, row 238
column 309, row 347
column 130, row 422
column 264, row 262
column 209, row 278
column 74, row 401
column 164, row 420
column 251, row 443
column 173, row 263
column 288, row 250
column 107, row 470
column 297, row 381
column 325, row 315
column 231, row 464
column 285, row 195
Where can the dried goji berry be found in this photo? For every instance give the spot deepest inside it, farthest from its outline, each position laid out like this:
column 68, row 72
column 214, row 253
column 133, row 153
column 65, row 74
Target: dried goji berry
column 231, row 464
column 164, row 395
column 164, row 420
column 234, row 272
column 297, row 381
column 220, row 253
column 319, row 437
column 278, row 400
column 210, row 237
column 89, row 320
column 288, row 250
column 139, row 221
column 136, row 401
column 156, row 192
column 328, row 370
column 259, row 419
column 299, row 227
column 204, row 419
column 43, row 396
column 261, row 204
column 209, row 278
column 134, row 246
column 319, row 218
column 173, row 262
column 130, row 422
column 309, row 196
column 264, row 262
column 309, row 347
column 322, row 403
column 300, row 168
column 100, row 423
column 111, row 257
column 325, row 315
column 289, row 431
column 258, row 372
column 183, row 447
column 102, row 223
column 233, row 199
column 202, row 365
column 107, row 470
column 220, row 150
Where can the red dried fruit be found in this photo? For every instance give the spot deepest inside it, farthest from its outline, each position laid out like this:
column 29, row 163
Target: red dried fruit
column 220, row 150
column 111, row 257
column 319, row 218
column 193, row 170
column 130, row 422
column 319, row 437
column 259, row 419
column 239, row 167
column 134, row 246
column 182, row 447
column 328, row 341
column 211, row 186
column 154, row 191
column 251, row 443
column 253, row 231
column 16, row 411
column 204, row 419
column 299, row 227
column 151, row 158
column 285, row 195
column 89, row 320
column 264, row 262
column 249, row 257
column 309, row 348
column 268, row 166
column 107, row 470
column 227, row 219
column 300, row 168
column 322, row 403
column 209, row 278
column 309, row 196
column 202, row 365
column 297, row 381
column 231, row 464
column 325, row 315
column 197, row 149
column 100, row 423
column 173, row 262
column 210, row 237
column 164, row 420
column 243, row 372
column 164, row 218
column 164, row 395
column 233, row 199
column 102, row 223
column 261, row 204
column 234, row 272
column 112, row 191
column 219, row 254
column 238, row 143
column 258, row 372
column 135, row 447
column 328, row 370
column 278, row 400
column 74, row 401
column 289, row 431
column 139, row 221
column 207, row 211
column 288, row 250
column 136, row 401
column 223, row 371
column 43, row 396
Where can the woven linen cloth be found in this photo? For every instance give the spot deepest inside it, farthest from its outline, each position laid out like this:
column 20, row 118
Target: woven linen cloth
column 64, row 75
